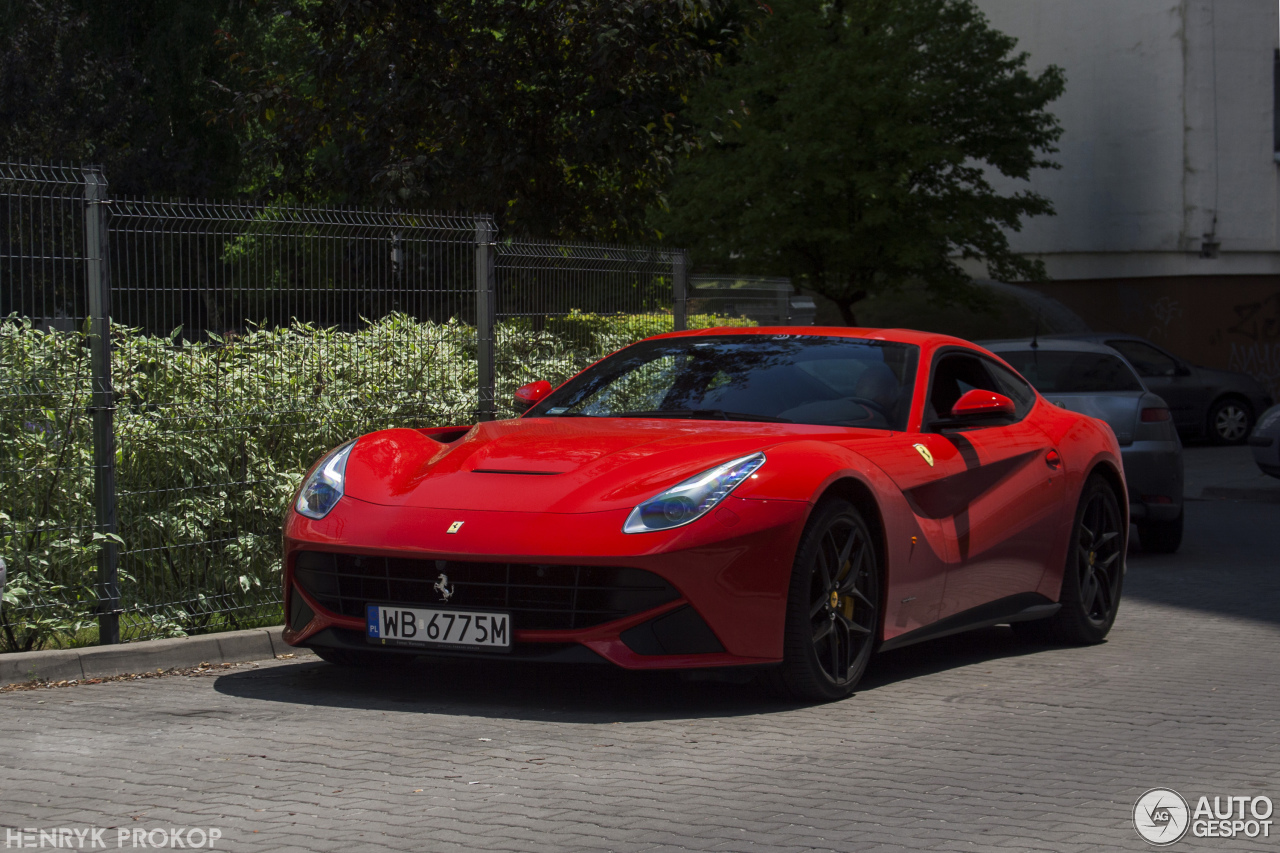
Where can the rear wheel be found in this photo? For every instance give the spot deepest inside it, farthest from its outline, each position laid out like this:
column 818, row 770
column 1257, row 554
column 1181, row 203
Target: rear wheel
column 1230, row 420
column 833, row 606
column 1161, row 537
column 1093, row 577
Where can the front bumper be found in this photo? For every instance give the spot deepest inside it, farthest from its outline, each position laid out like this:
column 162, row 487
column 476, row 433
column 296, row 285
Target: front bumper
column 730, row 571
column 1153, row 473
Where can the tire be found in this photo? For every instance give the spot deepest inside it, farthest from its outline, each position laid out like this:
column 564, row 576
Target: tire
column 1093, row 577
column 1230, row 420
column 826, row 647
column 1161, row 537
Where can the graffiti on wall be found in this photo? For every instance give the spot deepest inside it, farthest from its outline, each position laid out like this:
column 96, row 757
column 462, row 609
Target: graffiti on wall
column 1165, row 310
column 1259, row 360
column 1259, row 355
column 1258, row 321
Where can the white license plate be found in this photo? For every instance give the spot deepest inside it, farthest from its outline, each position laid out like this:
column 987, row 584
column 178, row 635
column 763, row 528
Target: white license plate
column 416, row 626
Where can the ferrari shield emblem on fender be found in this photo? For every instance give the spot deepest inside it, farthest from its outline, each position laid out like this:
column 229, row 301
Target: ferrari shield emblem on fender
column 924, row 454
column 457, row 525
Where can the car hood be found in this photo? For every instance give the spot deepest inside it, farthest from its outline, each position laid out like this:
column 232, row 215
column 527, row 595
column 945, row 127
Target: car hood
column 555, row 464
column 1230, row 380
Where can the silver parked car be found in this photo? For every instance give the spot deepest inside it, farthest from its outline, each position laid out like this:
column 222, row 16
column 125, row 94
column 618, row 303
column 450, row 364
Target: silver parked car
column 1265, row 442
column 1096, row 380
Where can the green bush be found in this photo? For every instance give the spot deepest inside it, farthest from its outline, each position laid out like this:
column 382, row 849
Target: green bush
column 212, row 439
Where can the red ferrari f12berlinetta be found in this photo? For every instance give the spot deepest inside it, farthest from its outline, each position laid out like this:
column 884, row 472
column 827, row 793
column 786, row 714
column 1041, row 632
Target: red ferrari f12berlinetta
column 792, row 499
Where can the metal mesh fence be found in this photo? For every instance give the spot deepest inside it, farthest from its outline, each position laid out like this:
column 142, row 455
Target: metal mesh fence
column 248, row 340
column 46, row 438
column 763, row 300
column 146, row 457
column 561, row 307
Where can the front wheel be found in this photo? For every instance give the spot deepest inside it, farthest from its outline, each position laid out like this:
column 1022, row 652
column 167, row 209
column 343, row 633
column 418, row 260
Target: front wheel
column 1093, row 576
column 833, row 606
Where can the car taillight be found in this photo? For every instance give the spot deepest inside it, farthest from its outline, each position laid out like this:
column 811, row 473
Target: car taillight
column 1154, row 415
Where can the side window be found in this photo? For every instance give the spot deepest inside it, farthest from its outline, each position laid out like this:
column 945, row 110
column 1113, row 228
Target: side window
column 1013, row 387
column 953, row 375
column 1146, row 359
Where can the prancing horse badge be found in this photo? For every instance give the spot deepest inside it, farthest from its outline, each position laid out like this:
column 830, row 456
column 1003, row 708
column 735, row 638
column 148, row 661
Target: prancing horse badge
column 924, row 453
column 457, row 525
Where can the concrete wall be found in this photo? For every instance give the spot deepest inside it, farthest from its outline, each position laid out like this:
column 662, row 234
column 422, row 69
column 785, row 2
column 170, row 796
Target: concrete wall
column 1168, row 136
column 1167, row 121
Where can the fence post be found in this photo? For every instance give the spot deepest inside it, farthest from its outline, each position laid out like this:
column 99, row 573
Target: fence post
column 486, row 297
column 102, row 409
column 680, row 290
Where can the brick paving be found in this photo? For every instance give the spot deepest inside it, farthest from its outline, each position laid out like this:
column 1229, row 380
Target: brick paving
column 970, row 743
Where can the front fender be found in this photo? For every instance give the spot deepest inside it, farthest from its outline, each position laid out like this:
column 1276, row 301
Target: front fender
column 915, row 550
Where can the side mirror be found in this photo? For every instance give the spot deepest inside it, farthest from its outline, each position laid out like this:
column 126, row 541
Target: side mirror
column 983, row 404
column 979, row 408
column 528, row 396
column 1181, row 370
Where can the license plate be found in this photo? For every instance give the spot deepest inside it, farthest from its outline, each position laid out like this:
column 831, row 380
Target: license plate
column 417, row 626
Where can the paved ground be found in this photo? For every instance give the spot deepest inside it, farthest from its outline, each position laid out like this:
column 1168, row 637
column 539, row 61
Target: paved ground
column 969, row 743
column 1227, row 472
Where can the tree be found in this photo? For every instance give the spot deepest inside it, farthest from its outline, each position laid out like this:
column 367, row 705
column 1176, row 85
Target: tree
column 851, row 146
column 125, row 85
column 561, row 118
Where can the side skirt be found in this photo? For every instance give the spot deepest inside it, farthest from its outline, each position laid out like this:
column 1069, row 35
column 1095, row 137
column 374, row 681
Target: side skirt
column 1023, row 607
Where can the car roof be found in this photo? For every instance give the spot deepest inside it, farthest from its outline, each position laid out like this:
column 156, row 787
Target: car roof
column 1097, row 336
column 904, row 336
column 1048, row 345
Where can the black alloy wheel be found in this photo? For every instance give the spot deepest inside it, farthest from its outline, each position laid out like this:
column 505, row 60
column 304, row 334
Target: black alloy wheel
column 1093, row 576
column 833, row 608
column 1230, row 421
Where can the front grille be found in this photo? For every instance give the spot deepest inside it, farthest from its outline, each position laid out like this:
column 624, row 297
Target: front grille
column 538, row 596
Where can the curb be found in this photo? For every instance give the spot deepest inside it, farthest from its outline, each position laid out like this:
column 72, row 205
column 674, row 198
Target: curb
column 146, row 656
column 1230, row 493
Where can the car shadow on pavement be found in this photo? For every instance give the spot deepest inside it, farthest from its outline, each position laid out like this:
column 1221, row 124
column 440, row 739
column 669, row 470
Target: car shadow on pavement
column 1227, row 564
column 578, row 693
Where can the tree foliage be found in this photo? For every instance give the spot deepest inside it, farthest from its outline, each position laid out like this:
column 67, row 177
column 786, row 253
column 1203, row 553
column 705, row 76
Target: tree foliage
column 212, row 439
column 851, row 149
column 125, row 85
column 563, row 119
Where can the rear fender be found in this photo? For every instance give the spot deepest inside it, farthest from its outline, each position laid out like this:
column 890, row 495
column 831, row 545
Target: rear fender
column 1086, row 446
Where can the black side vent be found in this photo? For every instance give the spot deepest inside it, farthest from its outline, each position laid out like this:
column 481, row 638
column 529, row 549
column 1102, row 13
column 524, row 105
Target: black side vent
column 680, row 632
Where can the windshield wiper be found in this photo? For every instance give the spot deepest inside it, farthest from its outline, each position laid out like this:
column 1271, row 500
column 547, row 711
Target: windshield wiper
column 720, row 414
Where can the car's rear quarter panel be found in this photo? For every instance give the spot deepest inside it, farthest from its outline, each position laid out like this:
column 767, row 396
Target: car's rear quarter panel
column 1086, row 446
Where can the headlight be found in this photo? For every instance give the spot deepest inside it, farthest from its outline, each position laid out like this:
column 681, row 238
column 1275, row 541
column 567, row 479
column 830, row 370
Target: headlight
column 320, row 491
column 695, row 497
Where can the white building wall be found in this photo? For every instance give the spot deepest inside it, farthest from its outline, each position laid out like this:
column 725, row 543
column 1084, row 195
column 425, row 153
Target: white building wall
column 1167, row 120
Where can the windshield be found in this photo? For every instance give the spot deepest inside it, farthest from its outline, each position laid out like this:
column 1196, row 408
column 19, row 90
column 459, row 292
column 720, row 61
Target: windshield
column 806, row 379
column 1073, row 372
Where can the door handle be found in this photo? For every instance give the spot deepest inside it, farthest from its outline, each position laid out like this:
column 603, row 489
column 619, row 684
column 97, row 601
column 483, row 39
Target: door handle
column 1053, row 460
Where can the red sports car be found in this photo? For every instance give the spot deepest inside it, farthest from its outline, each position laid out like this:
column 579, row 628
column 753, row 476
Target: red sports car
column 787, row 498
